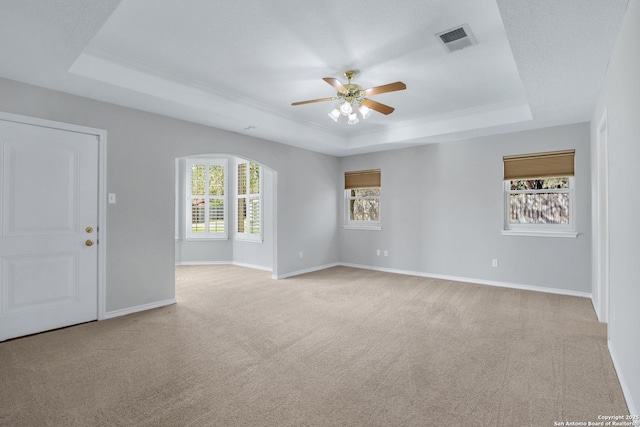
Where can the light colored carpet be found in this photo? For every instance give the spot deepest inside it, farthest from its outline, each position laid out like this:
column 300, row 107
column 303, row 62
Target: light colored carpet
column 339, row 347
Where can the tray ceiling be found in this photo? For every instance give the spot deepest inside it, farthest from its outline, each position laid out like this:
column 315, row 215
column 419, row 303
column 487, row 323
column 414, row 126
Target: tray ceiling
column 239, row 65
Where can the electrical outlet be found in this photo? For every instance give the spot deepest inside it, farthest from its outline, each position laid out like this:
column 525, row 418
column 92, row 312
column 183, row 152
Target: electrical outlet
column 494, row 262
column 386, row 252
column 378, row 252
column 301, row 254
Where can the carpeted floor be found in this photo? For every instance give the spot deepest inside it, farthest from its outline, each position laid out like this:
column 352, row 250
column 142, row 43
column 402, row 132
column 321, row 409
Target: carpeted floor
column 339, row 347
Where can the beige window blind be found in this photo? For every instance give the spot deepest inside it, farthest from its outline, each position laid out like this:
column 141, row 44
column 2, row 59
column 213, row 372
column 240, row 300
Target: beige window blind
column 362, row 179
column 539, row 165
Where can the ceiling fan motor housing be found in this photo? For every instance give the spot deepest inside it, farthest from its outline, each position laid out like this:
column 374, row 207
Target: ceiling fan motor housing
column 353, row 92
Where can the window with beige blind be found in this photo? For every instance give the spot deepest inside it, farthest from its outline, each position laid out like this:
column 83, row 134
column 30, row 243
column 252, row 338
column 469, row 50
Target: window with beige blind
column 539, row 193
column 362, row 199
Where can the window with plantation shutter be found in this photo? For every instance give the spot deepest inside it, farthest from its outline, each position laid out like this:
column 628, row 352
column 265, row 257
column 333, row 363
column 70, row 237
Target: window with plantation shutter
column 206, row 199
column 362, row 199
column 539, row 193
column 249, row 200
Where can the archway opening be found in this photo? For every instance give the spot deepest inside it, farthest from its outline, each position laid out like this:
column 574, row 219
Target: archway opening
column 225, row 211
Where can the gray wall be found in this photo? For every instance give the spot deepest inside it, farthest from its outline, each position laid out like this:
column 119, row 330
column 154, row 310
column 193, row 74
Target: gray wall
column 442, row 213
column 620, row 96
column 142, row 149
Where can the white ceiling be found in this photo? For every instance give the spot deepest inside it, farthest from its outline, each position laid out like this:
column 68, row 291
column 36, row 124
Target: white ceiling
column 238, row 65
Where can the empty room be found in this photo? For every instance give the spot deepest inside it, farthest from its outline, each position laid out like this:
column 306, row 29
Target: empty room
column 366, row 213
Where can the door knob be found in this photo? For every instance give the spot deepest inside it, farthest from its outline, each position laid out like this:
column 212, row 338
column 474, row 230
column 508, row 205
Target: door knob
column 89, row 242
column 89, row 229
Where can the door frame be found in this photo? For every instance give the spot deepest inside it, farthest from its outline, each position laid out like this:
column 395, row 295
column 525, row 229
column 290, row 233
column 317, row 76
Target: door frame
column 101, row 136
column 602, row 228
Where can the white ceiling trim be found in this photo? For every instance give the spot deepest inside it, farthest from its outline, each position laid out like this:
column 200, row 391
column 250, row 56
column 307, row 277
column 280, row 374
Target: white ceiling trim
column 226, row 108
column 226, row 111
column 486, row 116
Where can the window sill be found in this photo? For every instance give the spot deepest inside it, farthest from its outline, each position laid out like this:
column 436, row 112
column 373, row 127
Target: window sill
column 248, row 239
column 540, row 233
column 200, row 239
column 362, row 227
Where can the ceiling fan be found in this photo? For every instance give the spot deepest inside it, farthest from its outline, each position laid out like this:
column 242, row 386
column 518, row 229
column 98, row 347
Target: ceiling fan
column 354, row 96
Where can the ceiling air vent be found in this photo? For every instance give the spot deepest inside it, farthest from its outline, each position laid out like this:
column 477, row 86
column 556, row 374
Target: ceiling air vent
column 457, row 38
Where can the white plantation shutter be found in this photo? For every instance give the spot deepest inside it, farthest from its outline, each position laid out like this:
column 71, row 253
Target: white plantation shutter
column 249, row 200
column 253, row 215
column 206, row 198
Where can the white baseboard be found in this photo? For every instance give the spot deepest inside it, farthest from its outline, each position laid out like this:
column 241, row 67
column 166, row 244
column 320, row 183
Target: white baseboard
column 593, row 303
column 307, row 270
column 407, row 273
column 204, row 263
column 471, row 280
column 254, row 266
column 131, row 310
column 633, row 409
column 239, row 264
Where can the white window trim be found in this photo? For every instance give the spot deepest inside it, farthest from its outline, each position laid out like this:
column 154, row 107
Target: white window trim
column 177, row 204
column 542, row 230
column 248, row 237
column 536, row 233
column 189, row 235
column 361, row 225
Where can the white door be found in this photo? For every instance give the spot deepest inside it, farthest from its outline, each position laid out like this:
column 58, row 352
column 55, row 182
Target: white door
column 49, row 218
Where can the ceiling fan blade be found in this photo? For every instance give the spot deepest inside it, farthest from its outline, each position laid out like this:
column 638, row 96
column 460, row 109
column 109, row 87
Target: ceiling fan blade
column 391, row 87
column 336, row 84
column 380, row 108
column 311, row 101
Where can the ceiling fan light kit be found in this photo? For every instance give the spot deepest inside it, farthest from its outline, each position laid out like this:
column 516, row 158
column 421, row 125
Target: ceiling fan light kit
column 365, row 111
column 345, row 108
column 354, row 97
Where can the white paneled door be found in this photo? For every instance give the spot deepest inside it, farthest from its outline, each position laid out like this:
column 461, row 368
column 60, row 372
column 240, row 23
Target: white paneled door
column 48, row 215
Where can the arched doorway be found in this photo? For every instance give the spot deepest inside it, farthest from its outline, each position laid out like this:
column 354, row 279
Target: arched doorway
column 235, row 242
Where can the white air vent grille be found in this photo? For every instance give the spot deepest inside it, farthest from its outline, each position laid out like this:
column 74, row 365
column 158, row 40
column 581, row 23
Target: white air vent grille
column 457, row 38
